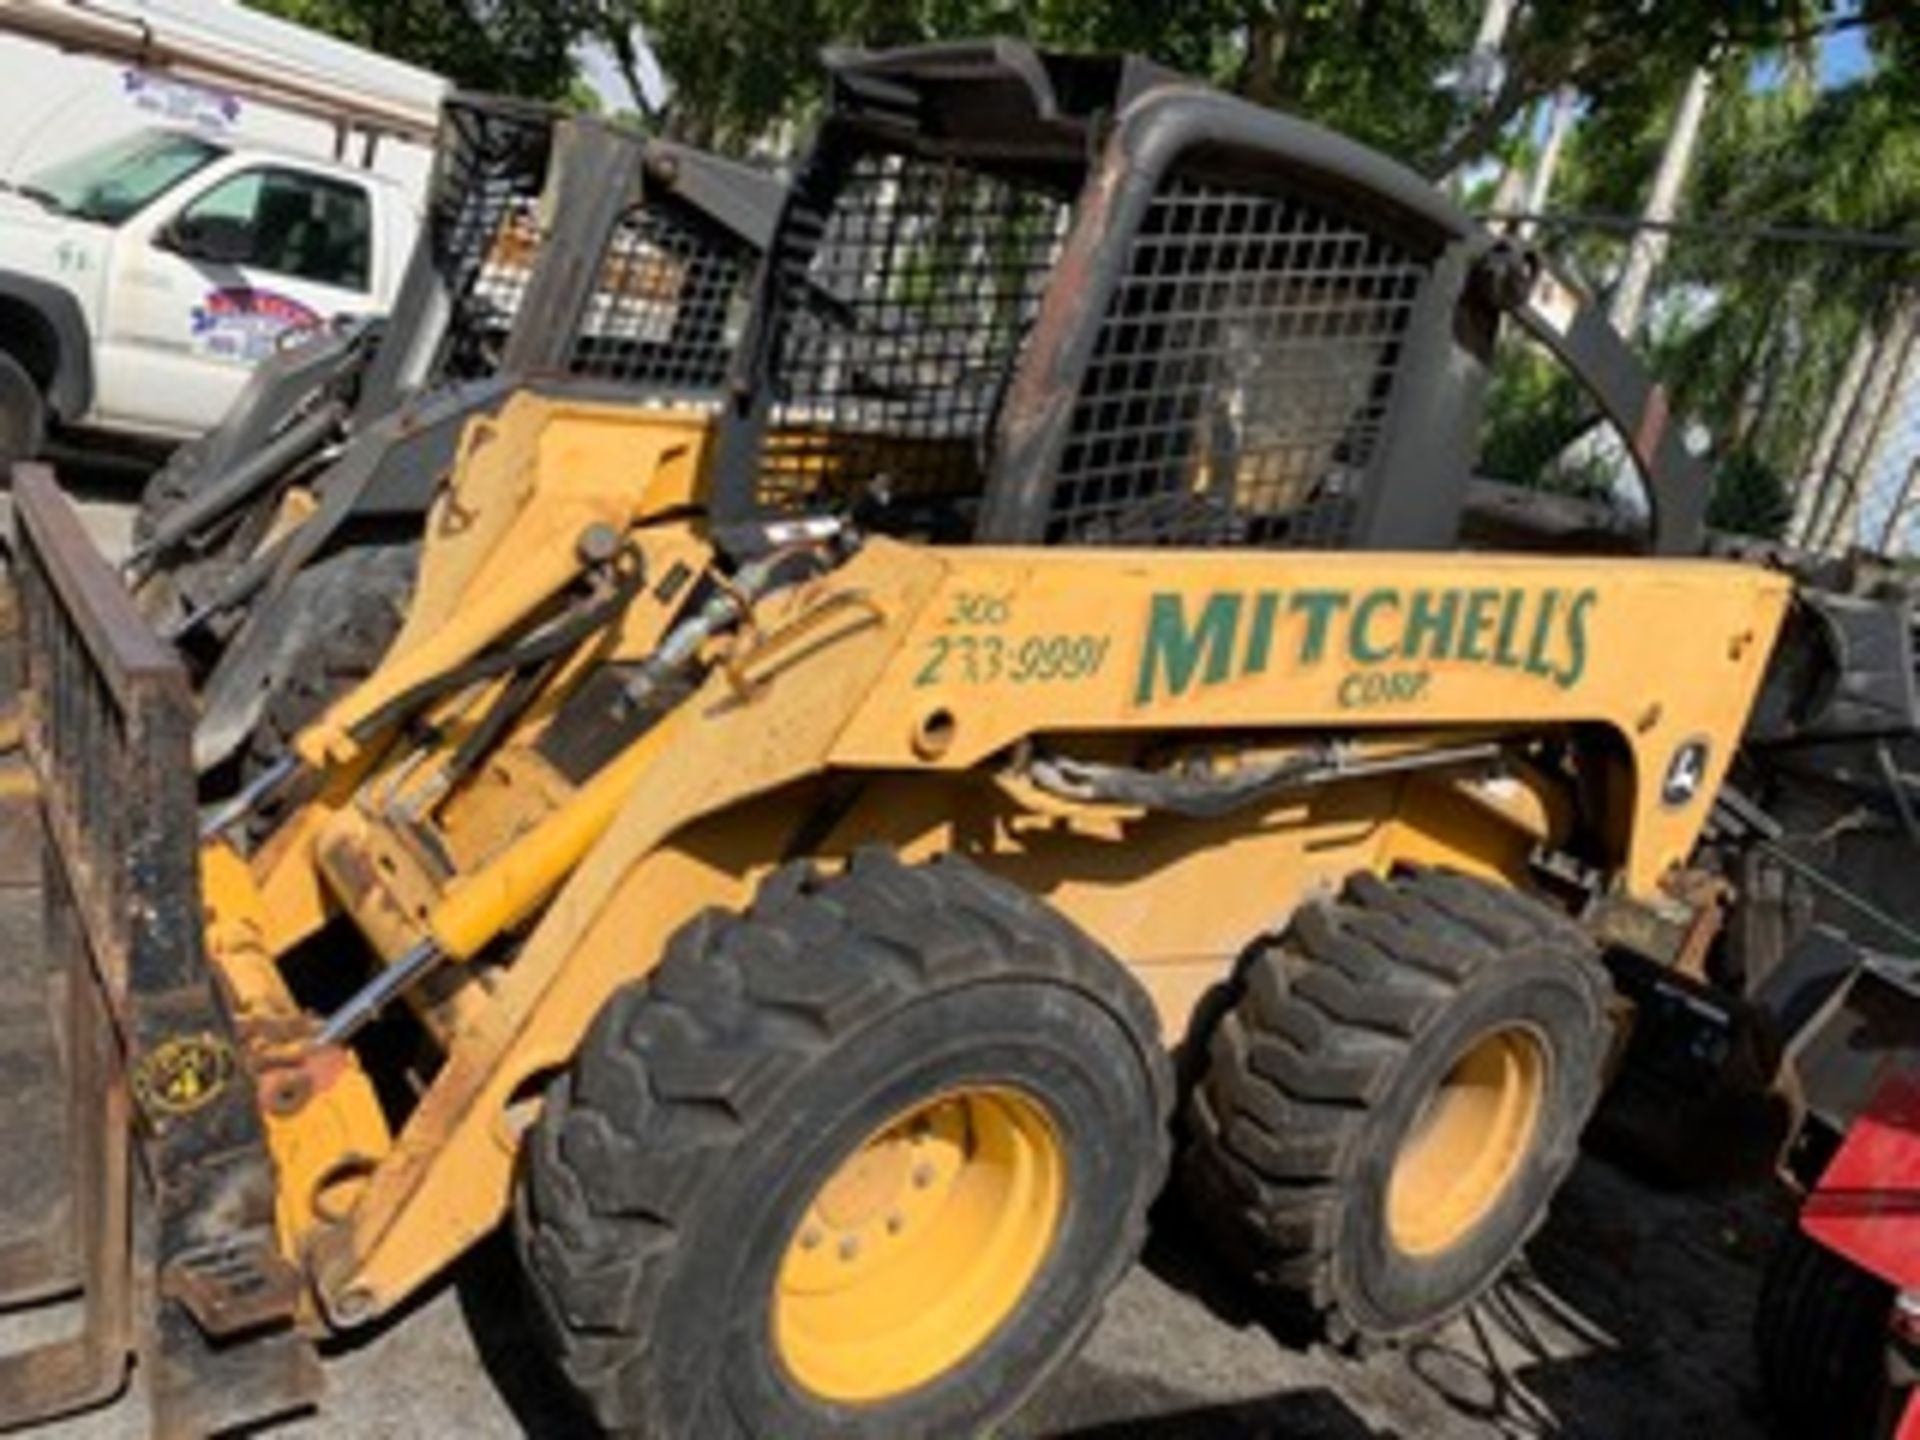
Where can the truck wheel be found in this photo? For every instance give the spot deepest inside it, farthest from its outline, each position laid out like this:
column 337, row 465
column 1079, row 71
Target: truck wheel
column 863, row 1161
column 23, row 416
column 1392, row 1102
column 1821, row 1336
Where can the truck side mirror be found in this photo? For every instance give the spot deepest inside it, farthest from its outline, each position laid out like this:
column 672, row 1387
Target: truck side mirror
column 217, row 239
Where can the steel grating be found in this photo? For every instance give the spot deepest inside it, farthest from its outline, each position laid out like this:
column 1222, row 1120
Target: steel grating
column 669, row 305
column 1240, row 380
column 484, row 226
column 903, row 332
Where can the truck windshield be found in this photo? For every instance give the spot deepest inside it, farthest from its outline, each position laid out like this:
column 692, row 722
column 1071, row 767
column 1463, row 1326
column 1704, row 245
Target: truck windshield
column 113, row 181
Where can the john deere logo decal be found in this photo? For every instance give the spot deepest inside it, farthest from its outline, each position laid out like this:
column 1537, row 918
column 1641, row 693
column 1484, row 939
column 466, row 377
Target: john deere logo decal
column 1686, row 773
column 180, row 1075
column 1387, row 635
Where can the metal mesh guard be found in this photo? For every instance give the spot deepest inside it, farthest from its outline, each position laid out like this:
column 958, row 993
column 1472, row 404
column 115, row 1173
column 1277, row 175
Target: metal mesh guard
column 904, row 332
column 1240, row 379
column 669, row 305
column 485, row 227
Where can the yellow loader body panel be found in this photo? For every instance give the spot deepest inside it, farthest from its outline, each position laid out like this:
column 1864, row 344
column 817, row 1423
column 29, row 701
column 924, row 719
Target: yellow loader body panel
column 910, row 675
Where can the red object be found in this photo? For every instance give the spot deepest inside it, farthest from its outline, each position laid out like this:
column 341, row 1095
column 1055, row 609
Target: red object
column 1866, row 1207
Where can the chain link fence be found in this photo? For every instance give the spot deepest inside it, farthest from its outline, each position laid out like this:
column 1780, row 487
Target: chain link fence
column 1792, row 356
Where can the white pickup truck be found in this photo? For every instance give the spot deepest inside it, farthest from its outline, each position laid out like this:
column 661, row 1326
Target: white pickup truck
column 141, row 281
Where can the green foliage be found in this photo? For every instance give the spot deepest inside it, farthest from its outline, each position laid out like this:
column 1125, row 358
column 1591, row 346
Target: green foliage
column 742, row 68
column 1749, row 497
column 1534, row 415
column 512, row 47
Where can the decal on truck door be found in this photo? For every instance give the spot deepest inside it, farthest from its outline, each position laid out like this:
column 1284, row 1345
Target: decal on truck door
column 239, row 322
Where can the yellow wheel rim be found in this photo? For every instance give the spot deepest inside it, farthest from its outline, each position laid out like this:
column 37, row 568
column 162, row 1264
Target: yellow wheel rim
column 1467, row 1143
column 919, row 1246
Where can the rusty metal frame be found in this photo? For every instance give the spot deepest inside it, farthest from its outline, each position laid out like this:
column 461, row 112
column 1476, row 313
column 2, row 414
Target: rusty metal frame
column 1114, row 129
column 156, row 1082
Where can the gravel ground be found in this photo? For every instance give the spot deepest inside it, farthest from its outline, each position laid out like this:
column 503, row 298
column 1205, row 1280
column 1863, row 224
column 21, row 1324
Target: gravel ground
column 1628, row 1318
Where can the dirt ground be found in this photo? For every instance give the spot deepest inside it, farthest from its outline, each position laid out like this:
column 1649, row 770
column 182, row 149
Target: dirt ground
column 1627, row 1320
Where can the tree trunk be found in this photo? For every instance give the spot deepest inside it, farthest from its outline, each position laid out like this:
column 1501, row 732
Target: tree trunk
column 1865, row 433
column 1540, row 184
column 1894, row 420
column 1480, row 73
column 1758, row 366
column 1629, row 302
column 1509, row 196
column 1900, row 513
column 1266, row 52
column 1813, row 492
column 1516, row 93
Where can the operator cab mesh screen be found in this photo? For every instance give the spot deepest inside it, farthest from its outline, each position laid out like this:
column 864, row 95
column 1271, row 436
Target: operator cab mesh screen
column 484, row 230
column 902, row 336
column 1240, row 379
column 670, row 302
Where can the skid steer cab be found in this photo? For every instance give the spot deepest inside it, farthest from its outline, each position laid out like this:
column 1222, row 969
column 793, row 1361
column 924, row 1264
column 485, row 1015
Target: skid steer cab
column 788, row 842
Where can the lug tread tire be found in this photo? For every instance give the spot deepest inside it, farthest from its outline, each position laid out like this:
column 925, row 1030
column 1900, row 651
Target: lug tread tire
column 1328, row 1017
column 676, row 1070
column 23, row 416
column 363, row 600
column 1821, row 1336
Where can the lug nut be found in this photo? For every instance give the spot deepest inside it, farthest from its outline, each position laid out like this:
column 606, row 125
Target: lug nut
column 922, row 1175
column 849, row 1247
column 809, row 1239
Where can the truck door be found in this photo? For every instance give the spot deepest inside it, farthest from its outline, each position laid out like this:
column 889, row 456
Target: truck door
column 205, row 291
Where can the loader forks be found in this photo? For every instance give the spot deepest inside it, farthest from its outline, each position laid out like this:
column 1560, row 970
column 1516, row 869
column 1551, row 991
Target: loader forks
column 148, row 1076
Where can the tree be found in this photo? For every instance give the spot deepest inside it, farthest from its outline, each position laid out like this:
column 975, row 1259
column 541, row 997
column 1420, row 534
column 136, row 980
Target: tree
column 513, row 47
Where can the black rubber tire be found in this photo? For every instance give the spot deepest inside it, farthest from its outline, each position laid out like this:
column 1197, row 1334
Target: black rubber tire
column 359, row 597
column 708, row 1102
column 1821, row 1337
column 1315, row 1077
column 23, row 416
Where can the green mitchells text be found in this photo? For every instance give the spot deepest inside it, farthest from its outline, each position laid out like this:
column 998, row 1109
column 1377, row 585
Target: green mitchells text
column 1233, row 634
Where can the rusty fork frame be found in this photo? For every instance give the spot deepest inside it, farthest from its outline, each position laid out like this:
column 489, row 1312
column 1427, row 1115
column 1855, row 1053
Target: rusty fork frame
column 171, row 1243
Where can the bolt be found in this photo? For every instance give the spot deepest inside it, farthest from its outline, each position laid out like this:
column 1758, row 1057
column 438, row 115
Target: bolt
column 809, row 1239
column 353, row 1307
column 849, row 1247
column 922, row 1175
column 598, row 543
column 896, row 1222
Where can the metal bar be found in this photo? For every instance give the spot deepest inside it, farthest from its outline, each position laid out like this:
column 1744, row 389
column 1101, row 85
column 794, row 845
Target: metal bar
column 218, row 495
column 1711, row 229
column 372, row 998
column 1820, row 880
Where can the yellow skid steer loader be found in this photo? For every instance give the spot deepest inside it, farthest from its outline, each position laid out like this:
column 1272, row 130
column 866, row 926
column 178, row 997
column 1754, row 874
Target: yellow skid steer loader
column 783, row 851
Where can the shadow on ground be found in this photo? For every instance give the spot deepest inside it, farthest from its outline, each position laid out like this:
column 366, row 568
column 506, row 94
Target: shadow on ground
column 1629, row 1318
